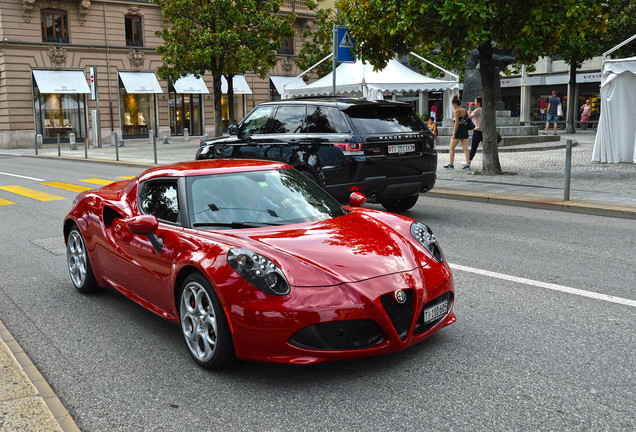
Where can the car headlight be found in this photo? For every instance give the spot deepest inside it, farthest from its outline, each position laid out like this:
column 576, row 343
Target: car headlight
column 258, row 270
column 423, row 234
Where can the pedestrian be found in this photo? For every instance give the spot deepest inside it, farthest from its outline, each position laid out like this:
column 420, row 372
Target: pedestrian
column 553, row 106
column 586, row 111
column 432, row 126
column 477, row 118
column 460, row 133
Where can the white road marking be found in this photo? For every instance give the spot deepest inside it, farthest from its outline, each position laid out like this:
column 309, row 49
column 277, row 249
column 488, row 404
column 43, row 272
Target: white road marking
column 550, row 286
column 21, row 176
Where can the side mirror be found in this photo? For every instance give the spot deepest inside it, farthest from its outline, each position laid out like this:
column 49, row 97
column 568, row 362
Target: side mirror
column 357, row 199
column 144, row 225
column 233, row 129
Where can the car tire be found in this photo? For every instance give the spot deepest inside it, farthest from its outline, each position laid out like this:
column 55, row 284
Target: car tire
column 79, row 265
column 401, row 205
column 203, row 323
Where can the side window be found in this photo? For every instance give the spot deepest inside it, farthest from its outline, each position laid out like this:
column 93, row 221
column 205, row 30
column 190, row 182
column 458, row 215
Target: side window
column 338, row 120
column 256, row 122
column 289, row 119
column 54, row 25
column 318, row 120
column 159, row 198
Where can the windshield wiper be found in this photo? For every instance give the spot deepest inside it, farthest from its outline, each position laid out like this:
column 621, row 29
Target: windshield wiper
column 236, row 225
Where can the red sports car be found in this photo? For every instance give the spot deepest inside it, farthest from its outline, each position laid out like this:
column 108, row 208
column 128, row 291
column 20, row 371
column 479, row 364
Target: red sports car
column 253, row 260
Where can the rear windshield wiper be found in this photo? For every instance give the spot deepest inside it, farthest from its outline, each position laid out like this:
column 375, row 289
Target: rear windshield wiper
column 236, row 225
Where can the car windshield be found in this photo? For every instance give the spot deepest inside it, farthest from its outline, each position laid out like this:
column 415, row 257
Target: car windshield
column 256, row 199
column 371, row 119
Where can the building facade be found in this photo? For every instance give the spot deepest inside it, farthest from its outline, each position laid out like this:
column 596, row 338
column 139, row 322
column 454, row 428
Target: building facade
column 53, row 51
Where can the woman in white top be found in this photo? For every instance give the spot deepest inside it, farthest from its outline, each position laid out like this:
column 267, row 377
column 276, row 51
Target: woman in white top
column 477, row 118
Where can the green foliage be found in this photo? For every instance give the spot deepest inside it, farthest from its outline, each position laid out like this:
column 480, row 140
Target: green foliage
column 318, row 43
column 621, row 26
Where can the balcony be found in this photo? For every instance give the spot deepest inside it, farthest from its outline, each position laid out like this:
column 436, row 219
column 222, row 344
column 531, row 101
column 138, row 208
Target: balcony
column 298, row 6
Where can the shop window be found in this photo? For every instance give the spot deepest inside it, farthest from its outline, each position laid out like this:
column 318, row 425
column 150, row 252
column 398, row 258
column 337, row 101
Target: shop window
column 54, row 26
column 286, row 46
column 133, row 31
column 239, row 109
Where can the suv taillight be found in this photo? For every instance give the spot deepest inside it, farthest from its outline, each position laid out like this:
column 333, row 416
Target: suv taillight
column 351, row 149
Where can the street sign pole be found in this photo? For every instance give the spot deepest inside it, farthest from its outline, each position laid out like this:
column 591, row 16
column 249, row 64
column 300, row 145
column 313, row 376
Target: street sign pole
column 334, row 61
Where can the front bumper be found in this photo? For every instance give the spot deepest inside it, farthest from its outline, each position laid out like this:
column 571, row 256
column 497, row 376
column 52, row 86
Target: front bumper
column 271, row 333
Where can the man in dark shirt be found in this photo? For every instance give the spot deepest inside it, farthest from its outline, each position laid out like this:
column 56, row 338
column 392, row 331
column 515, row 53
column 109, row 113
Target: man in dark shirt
column 553, row 105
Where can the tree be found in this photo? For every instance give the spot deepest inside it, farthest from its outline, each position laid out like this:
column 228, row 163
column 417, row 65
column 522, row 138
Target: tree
column 318, row 43
column 220, row 37
column 384, row 28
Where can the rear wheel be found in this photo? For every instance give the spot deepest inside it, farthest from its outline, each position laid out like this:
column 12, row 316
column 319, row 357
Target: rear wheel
column 79, row 266
column 204, row 325
column 400, row 205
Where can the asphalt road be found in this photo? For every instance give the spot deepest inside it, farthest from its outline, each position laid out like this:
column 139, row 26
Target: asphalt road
column 520, row 356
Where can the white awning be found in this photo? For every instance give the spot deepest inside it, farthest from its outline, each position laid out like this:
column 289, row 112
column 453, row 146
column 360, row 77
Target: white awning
column 286, row 82
column 140, row 82
column 63, row 81
column 190, row 84
column 239, row 85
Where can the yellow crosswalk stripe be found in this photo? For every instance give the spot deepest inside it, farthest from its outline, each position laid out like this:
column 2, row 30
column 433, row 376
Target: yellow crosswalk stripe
column 126, row 177
column 31, row 193
column 5, row 202
column 66, row 186
column 98, row 181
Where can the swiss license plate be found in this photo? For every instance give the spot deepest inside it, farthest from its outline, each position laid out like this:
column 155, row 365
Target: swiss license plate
column 402, row 148
column 435, row 311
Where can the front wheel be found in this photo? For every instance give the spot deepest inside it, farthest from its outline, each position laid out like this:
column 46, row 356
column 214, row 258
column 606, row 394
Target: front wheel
column 204, row 325
column 79, row 266
column 400, row 205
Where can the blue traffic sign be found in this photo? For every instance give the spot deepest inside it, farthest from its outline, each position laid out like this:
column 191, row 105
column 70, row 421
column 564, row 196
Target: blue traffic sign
column 345, row 45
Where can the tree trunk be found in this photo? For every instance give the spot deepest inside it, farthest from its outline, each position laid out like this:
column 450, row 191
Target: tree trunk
column 571, row 114
column 487, row 70
column 230, row 98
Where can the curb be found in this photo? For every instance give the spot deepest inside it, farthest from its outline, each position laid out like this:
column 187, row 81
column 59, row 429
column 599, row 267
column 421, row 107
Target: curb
column 44, row 411
column 545, row 204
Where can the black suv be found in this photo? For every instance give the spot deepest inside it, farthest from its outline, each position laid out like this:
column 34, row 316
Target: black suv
column 380, row 148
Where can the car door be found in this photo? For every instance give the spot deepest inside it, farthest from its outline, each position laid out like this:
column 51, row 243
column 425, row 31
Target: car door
column 252, row 134
column 144, row 270
column 286, row 132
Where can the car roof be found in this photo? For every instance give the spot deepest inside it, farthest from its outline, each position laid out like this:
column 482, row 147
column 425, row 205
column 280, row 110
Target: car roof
column 211, row 166
column 342, row 103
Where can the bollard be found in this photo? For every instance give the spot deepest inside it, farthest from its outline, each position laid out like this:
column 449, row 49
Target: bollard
column 154, row 147
column 59, row 148
column 568, row 169
column 151, row 135
column 40, row 140
column 86, row 149
column 186, row 135
column 165, row 140
column 113, row 138
column 36, row 144
column 71, row 141
column 121, row 143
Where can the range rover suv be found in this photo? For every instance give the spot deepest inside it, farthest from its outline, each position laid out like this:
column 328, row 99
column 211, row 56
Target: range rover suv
column 380, row 148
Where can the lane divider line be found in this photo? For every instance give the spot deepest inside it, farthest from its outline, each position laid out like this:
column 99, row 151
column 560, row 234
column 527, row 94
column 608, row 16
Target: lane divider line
column 66, row 186
column 31, row 193
column 546, row 285
column 5, row 202
column 98, row 181
column 21, row 176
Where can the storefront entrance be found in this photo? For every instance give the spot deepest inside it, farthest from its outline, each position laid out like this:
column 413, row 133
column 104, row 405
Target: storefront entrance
column 138, row 103
column 185, row 112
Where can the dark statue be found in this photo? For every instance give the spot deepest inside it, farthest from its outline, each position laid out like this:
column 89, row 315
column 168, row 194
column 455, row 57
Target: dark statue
column 472, row 78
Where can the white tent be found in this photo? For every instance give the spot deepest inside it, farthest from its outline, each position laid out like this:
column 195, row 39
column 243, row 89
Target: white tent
column 616, row 135
column 359, row 79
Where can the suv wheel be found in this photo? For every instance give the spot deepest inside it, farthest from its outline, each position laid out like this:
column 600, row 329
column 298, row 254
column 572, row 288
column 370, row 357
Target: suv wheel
column 400, row 205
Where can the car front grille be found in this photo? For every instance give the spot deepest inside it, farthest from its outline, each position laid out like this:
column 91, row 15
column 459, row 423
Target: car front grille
column 400, row 314
column 339, row 335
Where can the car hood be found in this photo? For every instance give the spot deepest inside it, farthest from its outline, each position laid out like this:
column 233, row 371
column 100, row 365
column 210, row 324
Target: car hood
column 350, row 248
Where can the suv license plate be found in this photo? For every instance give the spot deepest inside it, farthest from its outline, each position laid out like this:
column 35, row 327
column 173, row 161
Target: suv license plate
column 402, row 148
column 436, row 311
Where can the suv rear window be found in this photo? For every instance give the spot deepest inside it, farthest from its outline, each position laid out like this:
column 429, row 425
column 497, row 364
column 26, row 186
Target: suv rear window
column 384, row 119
